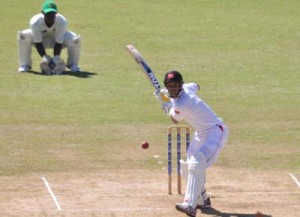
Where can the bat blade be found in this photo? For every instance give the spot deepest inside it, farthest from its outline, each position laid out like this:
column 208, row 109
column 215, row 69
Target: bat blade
column 144, row 66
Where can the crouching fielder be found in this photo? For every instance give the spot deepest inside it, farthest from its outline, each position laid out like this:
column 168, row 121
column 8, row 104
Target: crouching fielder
column 210, row 136
column 48, row 29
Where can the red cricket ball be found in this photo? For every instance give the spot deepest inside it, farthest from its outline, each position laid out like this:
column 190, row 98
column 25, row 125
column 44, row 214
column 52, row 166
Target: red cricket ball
column 145, row 145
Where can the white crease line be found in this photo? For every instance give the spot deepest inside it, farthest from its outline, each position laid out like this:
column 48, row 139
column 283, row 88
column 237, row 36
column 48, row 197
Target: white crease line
column 116, row 209
column 174, row 195
column 295, row 179
column 259, row 192
column 97, row 210
column 51, row 193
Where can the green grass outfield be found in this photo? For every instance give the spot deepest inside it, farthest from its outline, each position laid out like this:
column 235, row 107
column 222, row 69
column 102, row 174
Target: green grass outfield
column 244, row 54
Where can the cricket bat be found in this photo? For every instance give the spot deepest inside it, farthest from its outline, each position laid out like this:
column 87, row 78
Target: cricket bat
column 146, row 69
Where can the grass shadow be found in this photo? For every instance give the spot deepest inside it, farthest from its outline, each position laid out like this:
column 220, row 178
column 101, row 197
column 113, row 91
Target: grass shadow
column 218, row 213
column 82, row 74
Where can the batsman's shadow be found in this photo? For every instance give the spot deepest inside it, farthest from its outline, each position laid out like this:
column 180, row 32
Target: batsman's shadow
column 81, row 74
column 214, row 212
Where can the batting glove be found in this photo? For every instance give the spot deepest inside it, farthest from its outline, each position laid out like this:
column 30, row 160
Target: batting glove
column 162, row 95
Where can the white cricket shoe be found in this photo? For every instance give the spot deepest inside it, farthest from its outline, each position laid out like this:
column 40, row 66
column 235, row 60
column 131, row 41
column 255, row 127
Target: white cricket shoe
column 24, row 68
column 187, row 209
column 74, row 68
column 205, row 205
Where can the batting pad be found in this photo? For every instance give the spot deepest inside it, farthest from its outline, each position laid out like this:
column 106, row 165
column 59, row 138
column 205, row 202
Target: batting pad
column 183, row 168
column 196, row 178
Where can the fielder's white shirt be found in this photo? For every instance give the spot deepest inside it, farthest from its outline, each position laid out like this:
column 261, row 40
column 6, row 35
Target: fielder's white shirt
column 189, row 107
column 41, row 31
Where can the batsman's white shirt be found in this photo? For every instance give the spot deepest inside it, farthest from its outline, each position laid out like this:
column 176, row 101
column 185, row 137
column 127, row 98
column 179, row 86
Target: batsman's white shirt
column 42, row 32
column 210, row 131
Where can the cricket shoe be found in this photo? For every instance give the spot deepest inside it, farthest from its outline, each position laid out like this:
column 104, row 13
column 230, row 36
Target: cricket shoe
column 24, row 68
column 74, row 68
column 185, row 208
column 206, row 204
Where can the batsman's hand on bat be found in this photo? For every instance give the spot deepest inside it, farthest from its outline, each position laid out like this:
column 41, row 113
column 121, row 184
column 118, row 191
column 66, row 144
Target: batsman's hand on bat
column 162, row 95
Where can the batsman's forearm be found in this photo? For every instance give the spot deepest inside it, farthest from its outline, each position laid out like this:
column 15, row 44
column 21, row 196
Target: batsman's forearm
column 40, row 49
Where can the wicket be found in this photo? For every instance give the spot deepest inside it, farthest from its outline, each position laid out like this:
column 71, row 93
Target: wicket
column 178, row 137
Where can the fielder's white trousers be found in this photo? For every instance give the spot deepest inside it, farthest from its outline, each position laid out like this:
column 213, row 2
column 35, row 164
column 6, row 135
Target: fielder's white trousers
column 25, row 42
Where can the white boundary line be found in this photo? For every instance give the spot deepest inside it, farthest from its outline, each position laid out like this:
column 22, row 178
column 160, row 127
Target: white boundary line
column 51, row 193
column 295, row 179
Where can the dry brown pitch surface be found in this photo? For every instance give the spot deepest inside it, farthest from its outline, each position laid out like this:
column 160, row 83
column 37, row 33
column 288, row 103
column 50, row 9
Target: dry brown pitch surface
column 144, row 193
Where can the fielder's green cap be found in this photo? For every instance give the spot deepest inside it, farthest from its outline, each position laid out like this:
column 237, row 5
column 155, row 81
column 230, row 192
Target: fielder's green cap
column 49, row 6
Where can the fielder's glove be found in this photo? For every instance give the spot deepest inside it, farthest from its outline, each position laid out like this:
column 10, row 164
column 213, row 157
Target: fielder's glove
column 59, row 65
column 46, row 59
column 52, row 66
column 44, row 65
column 162, row 95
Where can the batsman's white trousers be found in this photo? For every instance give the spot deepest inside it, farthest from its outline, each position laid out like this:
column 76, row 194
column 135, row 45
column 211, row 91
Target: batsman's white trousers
column 25, row 43
column 209, row 143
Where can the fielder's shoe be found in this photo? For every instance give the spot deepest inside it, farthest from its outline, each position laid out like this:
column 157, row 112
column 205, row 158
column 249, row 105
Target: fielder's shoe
column 24, row 68
column 188, row 210
column 206, row 204
column 74, row 68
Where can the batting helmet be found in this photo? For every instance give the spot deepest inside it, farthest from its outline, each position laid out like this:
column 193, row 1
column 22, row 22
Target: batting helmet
column 173, row 76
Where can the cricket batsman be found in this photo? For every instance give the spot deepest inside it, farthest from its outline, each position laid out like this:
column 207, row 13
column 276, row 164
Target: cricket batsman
column 48, row 29
column 209, row 138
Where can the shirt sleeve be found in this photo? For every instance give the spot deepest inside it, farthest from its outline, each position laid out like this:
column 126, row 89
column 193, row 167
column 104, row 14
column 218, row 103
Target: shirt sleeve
column 192, row 87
